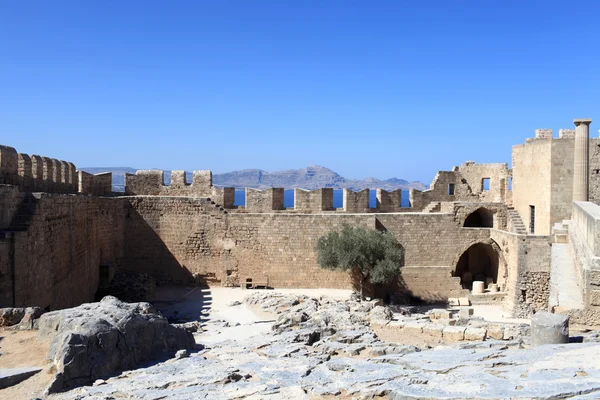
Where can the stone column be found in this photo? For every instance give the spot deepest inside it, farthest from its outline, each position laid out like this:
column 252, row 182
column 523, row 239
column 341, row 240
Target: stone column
column 581, row 166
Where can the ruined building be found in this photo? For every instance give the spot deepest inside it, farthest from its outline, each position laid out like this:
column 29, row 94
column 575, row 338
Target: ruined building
column 529, row 236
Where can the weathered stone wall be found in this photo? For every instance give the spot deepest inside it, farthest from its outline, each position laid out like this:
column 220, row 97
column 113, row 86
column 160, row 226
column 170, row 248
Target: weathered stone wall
column 528, row 274
column 152, row 183
column 57, row 256
column 389, row 201
column 174, row 238
column 467, row 180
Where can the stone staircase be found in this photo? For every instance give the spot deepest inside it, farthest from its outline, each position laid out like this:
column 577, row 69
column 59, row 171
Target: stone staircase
column 565, row 292
column 212, row 207
column 560, row 232
column 516, row 221
column 434, row 206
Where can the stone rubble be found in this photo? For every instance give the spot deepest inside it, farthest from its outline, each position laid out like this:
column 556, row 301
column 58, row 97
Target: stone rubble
column 324, row 347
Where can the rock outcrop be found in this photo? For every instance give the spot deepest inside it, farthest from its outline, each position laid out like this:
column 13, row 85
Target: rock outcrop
column 95, row 340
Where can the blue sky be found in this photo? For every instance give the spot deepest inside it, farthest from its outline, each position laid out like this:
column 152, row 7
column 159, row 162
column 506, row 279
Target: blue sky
column 371, row 88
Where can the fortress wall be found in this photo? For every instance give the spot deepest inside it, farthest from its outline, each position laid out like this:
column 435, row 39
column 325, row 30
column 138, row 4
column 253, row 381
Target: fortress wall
column 57, row 259
column 389, row 201
column 173, row 238
column 264, row 200
column 498, row 175
column 96, row 185
column 594, row 170
column 356, row 201
column 152, row 183
column 35, row 173
column 313, row 200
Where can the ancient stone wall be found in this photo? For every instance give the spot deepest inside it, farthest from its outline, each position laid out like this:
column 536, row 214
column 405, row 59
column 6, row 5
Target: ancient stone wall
column 356, row 201
column 465, row 183
column 175, row 238
column 57, row 250
column 152, row 183
column 264, row 201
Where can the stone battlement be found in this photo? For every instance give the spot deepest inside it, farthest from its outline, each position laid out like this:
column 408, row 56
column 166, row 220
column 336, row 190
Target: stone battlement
column 43, row 174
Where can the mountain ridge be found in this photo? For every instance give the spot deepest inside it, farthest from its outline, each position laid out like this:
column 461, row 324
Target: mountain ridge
column 311, row 177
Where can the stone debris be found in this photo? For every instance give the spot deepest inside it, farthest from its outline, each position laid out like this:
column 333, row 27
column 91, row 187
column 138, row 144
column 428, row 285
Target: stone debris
column 20, row 318
column 319, row 354
column 547, row 328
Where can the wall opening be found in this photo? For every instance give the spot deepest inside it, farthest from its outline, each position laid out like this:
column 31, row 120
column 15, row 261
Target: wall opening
column 532, row 219
column 480, row 218
column 289, row 198
column 509, row 184
column 485, row 184
column 478, row 263
column 451, row 189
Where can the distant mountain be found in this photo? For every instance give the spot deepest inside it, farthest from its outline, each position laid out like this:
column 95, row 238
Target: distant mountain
column 311, row 177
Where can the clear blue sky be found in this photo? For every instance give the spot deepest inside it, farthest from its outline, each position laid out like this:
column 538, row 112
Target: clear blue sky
column 366, row 88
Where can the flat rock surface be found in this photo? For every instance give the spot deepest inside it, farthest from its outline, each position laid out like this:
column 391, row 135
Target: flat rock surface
column 12, row 376
column 324, row 348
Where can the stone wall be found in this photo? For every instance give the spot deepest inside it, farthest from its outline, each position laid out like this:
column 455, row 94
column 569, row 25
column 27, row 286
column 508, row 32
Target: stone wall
column 152, row 183
column 95, row 185
column 35, row 173
column 57, row 253
column 264, row 201
column 467, row 185
column 175, row 238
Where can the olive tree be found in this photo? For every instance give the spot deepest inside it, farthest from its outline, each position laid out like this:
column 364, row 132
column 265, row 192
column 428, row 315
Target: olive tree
column 376, row 256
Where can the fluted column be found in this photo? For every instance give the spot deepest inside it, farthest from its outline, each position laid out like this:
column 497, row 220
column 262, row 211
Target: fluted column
column 581, row 167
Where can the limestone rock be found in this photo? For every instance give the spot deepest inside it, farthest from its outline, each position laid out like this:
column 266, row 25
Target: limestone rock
column 11, row 316
column 95, row 340
column 380, row 313
column 547, row 328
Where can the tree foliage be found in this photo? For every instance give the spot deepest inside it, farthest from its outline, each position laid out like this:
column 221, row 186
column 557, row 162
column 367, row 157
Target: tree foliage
column 376, row 255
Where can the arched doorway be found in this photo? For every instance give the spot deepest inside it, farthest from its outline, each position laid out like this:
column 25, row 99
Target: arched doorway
column 480, row 218
column 480, row 262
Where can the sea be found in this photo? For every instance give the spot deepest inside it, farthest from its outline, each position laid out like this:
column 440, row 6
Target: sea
column 338, row 195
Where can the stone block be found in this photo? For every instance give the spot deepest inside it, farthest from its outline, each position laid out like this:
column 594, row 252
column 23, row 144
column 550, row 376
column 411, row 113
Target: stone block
column 440, row 313
column 464, row 301
column 465, row 312
column 595, row 278
column 433, row 330
column 453, row 302
column 495, row 331
column 446, row 322
column 595, row 297
column 413, row 328
column 396, row 325
column 478, row 287
column 472, row 333
column 547, row 328
column 453, row 333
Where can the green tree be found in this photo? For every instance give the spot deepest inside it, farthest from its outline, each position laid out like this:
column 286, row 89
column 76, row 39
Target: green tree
column 376, row 256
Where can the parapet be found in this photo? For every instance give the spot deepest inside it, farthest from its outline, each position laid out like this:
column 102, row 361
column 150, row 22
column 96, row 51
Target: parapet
column 95, row 185
column 389, row 201
column 152, row 183
column 35, row 173
column 356, row 201
column 258, row 201
column 543, row 133
column 566, row 133
column 313, row 200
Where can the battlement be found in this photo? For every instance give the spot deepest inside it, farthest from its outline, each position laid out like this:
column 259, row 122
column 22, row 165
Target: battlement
column 34, row 173
column 152, row 183
column 543, row 134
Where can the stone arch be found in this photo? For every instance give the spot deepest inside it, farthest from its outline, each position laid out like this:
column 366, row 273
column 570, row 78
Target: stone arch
column 482, row 260
column 480, row 218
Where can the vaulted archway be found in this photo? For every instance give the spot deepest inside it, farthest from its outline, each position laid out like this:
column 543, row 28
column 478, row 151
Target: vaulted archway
column 480, row 218
column 480, row 262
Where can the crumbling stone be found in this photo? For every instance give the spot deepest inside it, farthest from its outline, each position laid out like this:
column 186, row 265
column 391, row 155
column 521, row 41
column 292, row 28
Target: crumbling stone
column 547, row 328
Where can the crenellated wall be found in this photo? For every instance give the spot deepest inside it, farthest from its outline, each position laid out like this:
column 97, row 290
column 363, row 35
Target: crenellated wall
column 43, row 174
column 152, row 183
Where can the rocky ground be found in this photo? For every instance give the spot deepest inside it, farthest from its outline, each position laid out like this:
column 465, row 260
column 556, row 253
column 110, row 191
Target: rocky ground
column 302, row 347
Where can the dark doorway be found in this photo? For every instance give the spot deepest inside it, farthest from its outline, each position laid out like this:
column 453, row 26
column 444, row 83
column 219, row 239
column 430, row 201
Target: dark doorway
column 478, row 263
column 480, row 218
